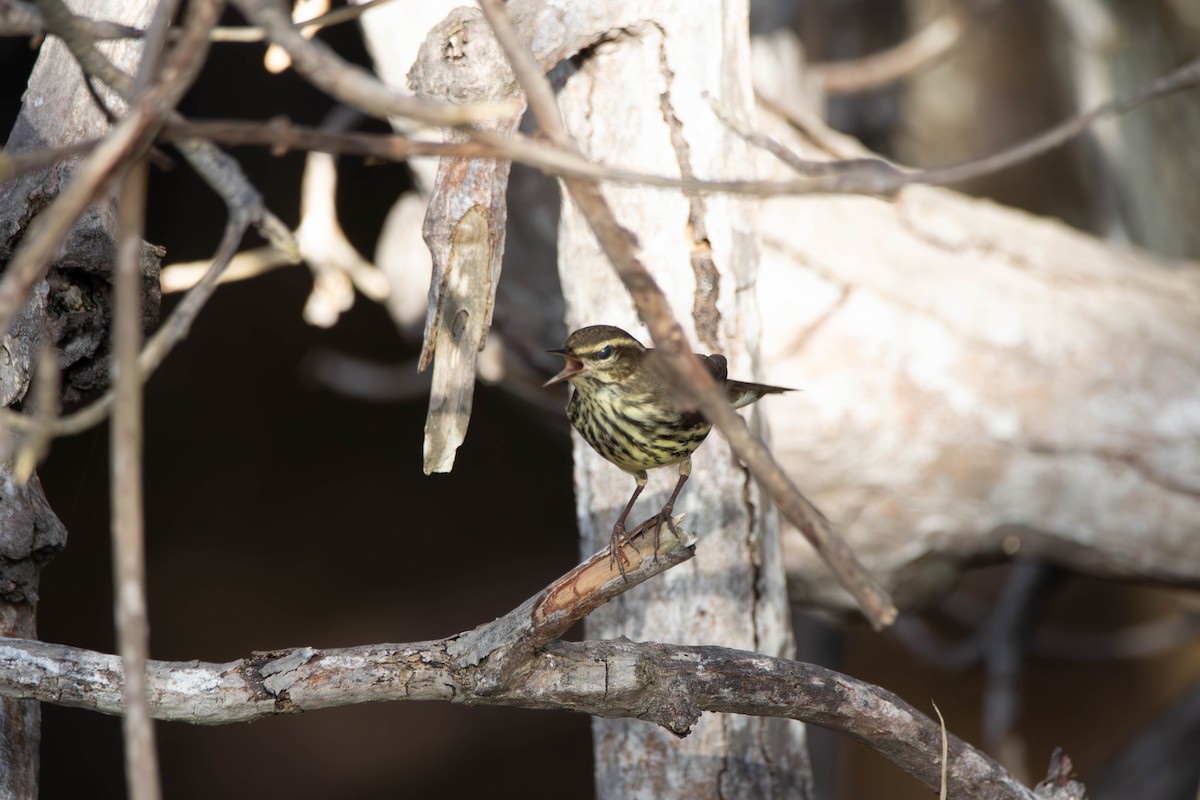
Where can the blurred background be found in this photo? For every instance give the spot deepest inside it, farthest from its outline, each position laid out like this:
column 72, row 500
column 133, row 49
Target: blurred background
column 281, row 512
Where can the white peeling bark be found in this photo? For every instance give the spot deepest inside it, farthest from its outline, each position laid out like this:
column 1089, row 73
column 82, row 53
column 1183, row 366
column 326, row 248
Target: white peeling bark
column 639, row 100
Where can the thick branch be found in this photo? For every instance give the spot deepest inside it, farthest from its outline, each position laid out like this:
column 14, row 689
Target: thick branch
column 513, row 662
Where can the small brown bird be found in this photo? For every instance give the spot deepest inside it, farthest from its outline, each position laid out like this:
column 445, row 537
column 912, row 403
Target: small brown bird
column 622, row 408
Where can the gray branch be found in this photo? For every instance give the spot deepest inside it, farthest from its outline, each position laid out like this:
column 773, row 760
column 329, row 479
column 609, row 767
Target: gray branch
column 517, row 661
column 669, row 685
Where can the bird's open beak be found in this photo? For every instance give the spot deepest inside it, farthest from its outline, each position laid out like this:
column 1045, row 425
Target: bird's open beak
column 573, row 367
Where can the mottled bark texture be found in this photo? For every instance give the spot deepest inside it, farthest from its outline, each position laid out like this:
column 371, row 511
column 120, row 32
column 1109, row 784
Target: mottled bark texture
column 70, row 311
column 642, row 99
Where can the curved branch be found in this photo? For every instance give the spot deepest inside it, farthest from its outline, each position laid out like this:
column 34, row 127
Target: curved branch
column 922, row 49
column 514, row 661
column 352, row 84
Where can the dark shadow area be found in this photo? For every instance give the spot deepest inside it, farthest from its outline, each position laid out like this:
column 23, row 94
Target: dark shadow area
column 279, row 513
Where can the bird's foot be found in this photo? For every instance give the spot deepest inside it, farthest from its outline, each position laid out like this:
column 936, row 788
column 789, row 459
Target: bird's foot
column 615, row 555
column 663, row 517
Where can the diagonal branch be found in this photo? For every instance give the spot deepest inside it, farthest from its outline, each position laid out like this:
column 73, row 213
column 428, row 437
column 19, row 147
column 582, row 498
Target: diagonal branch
column 684, row 369
column 351, row 84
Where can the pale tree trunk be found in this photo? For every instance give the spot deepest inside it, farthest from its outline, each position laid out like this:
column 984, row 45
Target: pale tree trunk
column 639, row 100
column 57, row 111
column 979, row 383
column 1150, row 157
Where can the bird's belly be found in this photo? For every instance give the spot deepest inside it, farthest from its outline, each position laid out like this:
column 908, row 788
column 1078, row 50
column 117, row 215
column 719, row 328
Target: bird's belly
column 635, row 436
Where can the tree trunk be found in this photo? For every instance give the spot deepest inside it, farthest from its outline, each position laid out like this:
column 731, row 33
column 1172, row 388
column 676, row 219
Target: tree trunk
column 69, row 310
column 639, row 100
column 978, row 383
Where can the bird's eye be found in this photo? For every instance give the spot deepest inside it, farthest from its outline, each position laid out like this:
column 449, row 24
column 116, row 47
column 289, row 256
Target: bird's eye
column 605, row 352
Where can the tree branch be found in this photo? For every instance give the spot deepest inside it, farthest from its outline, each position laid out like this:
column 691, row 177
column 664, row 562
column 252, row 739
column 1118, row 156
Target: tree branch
column 924, row 48
column 870, row 176
column 128, row 523
column 514, row 661
column 351, row 84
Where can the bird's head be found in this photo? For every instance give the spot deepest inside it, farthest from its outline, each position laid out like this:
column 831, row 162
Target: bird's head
column 601, row 353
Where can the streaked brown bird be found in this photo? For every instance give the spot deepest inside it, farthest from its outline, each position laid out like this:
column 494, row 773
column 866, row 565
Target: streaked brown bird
column 622, row 408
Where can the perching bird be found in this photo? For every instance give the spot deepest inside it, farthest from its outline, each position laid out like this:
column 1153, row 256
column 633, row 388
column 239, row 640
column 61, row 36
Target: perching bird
column 623, row 409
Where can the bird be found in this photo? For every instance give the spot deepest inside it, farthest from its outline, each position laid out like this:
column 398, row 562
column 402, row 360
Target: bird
column 622, row 407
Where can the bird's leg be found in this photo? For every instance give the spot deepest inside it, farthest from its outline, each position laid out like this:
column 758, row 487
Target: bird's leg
column 685, row 470
column 619, row 534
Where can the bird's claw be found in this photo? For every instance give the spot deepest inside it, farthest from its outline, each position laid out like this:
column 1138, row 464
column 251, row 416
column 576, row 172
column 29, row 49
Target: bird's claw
column 615, row 555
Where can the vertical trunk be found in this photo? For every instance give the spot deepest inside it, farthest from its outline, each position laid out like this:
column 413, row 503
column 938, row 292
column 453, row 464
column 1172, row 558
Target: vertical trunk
column 57, row 111
column 29, row 535
column 640, row 100
column 1148, row 156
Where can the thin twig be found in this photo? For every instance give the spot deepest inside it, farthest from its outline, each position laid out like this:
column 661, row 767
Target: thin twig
column 184, row 275
column 243, row 211
column 855, row 176
column 46, row 383
column 921, row 50
column 129, row 562
column 352, row 84
column 19, row 18
column 128, row 522
column 668, row 336
column 337, row 16
column 170, row 333
column 942, row 792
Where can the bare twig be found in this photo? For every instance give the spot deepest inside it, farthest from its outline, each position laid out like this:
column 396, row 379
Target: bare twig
column 46, row 383
column 337, row 16
column 181, row 276
column 170, row 333
column 129, row 563
column 353, row 85
column 368, row 94
column 19, row 18
column 668, row 336
column 128, row 522
column 921, row 50
column 857, row 176
column 942, row 791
